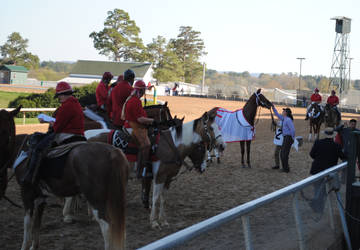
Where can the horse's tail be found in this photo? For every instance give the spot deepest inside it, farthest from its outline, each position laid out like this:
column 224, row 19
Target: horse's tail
column 116, row 198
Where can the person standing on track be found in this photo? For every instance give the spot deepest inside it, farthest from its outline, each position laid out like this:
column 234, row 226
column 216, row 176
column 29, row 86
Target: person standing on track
column 288, row 131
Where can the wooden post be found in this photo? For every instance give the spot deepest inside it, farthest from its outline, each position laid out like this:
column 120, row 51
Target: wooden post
column 24, row 116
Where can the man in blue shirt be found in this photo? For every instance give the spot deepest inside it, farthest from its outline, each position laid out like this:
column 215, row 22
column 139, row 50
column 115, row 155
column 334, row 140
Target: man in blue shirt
column 288, row 131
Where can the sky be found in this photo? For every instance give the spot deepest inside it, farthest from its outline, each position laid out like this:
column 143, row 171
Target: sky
column 259, row 36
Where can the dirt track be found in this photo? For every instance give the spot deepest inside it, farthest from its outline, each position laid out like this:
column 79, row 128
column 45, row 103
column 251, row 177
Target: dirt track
column 191, row 199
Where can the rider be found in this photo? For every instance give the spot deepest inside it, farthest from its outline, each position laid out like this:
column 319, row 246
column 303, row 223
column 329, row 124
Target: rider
column 119, row 95
column 109, row 101
column 137, row 119
column 102, row 91
column 333, row 101
column 69, row 123
column 315, row 98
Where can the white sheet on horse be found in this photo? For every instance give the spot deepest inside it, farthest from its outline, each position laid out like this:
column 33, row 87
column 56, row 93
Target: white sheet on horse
column 233, row 125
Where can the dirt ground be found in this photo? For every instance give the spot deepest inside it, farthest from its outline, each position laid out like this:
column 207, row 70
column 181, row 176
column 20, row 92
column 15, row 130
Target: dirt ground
column 192, row 198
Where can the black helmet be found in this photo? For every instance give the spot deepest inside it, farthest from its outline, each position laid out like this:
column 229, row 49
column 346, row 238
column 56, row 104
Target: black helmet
column 129, row 74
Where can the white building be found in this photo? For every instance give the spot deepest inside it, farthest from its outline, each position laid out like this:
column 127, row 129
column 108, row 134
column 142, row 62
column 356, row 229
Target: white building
column 86, row 72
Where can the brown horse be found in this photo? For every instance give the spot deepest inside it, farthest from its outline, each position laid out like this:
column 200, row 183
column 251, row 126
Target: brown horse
column 316, row 118
column 189, row 140
column 331, row 117
column 97, row 170
column 249, row 111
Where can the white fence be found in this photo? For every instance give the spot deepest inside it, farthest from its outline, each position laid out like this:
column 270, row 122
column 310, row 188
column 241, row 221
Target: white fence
column 24, row 110
column 244, row 210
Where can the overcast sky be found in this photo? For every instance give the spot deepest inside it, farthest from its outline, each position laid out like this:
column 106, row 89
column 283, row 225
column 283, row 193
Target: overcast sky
column 254, row 35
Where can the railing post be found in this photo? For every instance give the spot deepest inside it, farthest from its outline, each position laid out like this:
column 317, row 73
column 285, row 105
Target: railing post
column 331, row 211
column 24, row 116
column 247, row 232
column 298, row 221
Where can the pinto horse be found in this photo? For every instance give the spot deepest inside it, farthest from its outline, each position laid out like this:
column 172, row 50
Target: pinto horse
column 97, row 170
column 316, row 118
column 189, row 139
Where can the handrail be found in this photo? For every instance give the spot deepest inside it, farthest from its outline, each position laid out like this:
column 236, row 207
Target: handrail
column 31, row 110
column 186, row 234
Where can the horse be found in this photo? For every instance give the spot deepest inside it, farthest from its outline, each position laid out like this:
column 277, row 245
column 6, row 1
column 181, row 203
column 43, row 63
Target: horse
column 331, row 116
column 316, row 118
column 97, row 170
column 189, row 139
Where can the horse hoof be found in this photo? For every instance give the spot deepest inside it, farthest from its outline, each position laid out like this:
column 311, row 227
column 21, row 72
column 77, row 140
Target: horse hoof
column 243, row 165
column 218, row 160
column 155, row 225
column 165, row 224
column 249, row 165
column 68, row 219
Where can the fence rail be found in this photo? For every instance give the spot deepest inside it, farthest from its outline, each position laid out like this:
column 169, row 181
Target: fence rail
column 24, row 110
column 242, row 211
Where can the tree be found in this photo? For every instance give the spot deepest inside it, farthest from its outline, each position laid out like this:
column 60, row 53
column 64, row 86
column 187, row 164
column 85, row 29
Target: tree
column 14, row 52
column 166, row 64
column 119, row 40
column 189, row 47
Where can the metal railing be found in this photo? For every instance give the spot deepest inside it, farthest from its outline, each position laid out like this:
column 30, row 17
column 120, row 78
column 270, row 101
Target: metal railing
column 242, row 211
column 24, row 110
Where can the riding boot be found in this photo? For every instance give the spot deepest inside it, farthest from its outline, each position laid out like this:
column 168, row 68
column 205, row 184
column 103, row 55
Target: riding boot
column 145, row 191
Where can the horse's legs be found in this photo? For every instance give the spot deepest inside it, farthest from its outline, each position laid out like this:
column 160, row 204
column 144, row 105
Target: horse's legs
column 105, row 229
column 217, row 155
column 248, row 147
column 242, row 147
column 157, row 190
column 162, row 216
column 66, row 210
column 27, row 230
column 309, row 139
column 40, row 204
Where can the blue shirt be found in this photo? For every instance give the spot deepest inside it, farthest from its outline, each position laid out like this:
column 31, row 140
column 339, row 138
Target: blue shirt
column 287, row 124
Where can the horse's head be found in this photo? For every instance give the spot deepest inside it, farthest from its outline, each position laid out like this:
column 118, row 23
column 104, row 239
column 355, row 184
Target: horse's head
column 197, row 157
column 314, row 111
column 261, row 100
column 7, row 144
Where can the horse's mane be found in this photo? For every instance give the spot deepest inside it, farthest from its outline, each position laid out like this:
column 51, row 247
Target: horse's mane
column 156, row 106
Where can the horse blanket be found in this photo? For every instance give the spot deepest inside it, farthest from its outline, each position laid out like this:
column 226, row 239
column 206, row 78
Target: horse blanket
column 233, row 125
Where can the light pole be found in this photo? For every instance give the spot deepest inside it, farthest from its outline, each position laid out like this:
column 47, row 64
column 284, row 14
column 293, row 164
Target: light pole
column 300, row 58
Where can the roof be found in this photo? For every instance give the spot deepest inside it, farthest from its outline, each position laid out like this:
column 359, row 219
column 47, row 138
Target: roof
column 83, row 67
column 14, row 68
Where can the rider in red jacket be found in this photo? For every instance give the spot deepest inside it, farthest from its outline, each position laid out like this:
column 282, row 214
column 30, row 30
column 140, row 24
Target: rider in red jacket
column 119, row 95
column 69, row 123
column 333, row 101
column 102, row 91
column 136, row 117
column 315, row 98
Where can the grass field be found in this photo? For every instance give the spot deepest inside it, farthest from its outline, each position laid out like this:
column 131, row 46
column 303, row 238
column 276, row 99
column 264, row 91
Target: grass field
column 6, row 97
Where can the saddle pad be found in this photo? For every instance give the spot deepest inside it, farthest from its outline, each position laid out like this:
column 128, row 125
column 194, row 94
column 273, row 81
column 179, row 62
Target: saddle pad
column 233, row 125
column 63, row 149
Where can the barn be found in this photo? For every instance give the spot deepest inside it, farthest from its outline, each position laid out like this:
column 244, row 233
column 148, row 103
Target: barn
column 86, row 71
column 10, row 74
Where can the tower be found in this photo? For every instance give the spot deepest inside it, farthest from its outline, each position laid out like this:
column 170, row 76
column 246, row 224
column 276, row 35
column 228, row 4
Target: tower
column 339, row 75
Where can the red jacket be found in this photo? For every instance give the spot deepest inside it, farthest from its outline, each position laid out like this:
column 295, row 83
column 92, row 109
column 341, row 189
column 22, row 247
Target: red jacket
column 315, row 98
column 134, row 110
column 101, row 94
column 333, row 100
column 118, row 97
column 69, row 117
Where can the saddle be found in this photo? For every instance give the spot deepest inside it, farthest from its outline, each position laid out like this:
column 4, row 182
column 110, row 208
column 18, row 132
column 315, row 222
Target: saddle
column 54, row 157
column 166, row 151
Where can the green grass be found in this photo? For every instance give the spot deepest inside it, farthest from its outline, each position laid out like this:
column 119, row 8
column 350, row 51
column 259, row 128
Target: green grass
column 6, row 97
column 19, row 121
